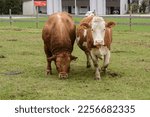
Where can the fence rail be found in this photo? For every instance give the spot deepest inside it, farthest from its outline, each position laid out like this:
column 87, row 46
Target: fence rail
column 125, row 20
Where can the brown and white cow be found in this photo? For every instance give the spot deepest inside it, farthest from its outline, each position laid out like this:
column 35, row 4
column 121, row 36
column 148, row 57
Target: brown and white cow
column 94, row 37
column 59, row 34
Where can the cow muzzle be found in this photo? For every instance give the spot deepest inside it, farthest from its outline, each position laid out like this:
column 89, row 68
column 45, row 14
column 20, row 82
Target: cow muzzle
column 63, row 75
column 98, row 42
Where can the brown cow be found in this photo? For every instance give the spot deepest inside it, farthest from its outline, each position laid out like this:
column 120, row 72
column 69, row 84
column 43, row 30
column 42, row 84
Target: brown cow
column 94, row 37
column 59, row 35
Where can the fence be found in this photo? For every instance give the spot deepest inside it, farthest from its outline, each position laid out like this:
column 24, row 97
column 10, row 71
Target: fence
column 127, row 22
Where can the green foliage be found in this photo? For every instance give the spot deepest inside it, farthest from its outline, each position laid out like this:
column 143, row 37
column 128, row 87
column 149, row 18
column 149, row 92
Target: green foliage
column 143, row 7
column 14, row 5
column 135, row 7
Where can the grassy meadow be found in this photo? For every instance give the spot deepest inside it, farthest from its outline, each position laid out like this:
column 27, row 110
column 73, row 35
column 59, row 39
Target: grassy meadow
column 23, row 64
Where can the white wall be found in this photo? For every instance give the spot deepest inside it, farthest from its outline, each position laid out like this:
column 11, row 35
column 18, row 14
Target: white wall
column 53, row 6
column 56, row 6
column 28, row 7
column 123, row 6
column 93, row 5
column 99, row 6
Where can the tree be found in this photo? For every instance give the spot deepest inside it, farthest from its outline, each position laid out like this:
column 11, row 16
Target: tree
column 2, row 6
column 145, row 4
column 14, row 5
column 135, row 7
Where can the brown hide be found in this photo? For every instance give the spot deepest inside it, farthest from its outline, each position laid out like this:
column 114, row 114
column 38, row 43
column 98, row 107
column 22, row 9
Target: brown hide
column 86, row 20
column 85, row 24
column 86, row 43
column 108, row 34
column 59, row 35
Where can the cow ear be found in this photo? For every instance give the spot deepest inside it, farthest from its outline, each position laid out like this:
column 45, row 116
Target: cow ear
column 110, row 24
column 73, row 57
column 53, row 58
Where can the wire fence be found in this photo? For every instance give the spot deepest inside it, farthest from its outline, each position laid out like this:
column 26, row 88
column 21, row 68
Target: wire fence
column 125, row 22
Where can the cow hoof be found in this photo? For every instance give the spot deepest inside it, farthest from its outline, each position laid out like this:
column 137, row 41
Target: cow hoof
column 97, row 78
column 63, row 78
column 104, row 69
column 48, row 72
column 88, row 66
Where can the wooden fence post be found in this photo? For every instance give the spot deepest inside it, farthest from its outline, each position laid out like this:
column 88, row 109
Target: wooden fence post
column 10, row 17
column 130, row 18
column 37, row 17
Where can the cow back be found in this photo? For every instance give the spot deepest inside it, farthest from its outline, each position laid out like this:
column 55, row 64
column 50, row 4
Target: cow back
column 59, row 33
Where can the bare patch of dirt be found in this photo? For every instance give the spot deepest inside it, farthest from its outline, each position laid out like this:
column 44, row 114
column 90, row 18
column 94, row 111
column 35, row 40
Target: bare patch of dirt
column 118, row 51
column 12, row 40
column 26, row 53
column 112, row 74
column 122, row 51
column 2, row 56
column 12, row 73
column 143, row 60
column 17, row 29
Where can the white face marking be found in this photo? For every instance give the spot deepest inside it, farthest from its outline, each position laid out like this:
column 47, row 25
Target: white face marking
column 98, row 30
column 77, row 39
column 85, row 33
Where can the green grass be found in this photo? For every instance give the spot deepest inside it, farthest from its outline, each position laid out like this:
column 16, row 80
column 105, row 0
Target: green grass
column 23, row 63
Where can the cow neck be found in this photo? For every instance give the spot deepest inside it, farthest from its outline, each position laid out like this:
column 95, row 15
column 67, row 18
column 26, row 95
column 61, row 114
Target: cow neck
column 61, row 50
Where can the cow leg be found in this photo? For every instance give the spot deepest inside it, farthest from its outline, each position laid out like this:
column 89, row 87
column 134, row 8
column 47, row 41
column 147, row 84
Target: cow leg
column 88, row 60
column 106, row 61
column 97, row 68
column 48, row 55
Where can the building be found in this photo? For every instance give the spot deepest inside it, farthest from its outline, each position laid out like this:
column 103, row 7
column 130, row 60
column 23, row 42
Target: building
column 29, row 8
column 78, row 7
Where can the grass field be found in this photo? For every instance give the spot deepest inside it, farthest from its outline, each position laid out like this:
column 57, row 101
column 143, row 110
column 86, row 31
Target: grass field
column 23, row 63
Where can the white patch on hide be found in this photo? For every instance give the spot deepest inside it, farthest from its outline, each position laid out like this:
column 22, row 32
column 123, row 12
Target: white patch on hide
column 85, row 33
column 84, row 44
column 100, row 52
column 77, row 39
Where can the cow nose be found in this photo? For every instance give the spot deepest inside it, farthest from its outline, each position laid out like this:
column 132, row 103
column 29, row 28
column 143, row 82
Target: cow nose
column 63, row 75
column 99, row 42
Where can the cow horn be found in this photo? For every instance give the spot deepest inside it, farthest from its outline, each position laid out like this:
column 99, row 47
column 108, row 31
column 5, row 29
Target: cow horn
column 52, row 58
column 73, row 57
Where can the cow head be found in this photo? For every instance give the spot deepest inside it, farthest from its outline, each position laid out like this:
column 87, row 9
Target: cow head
column 98, row 30
column 62, row 62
